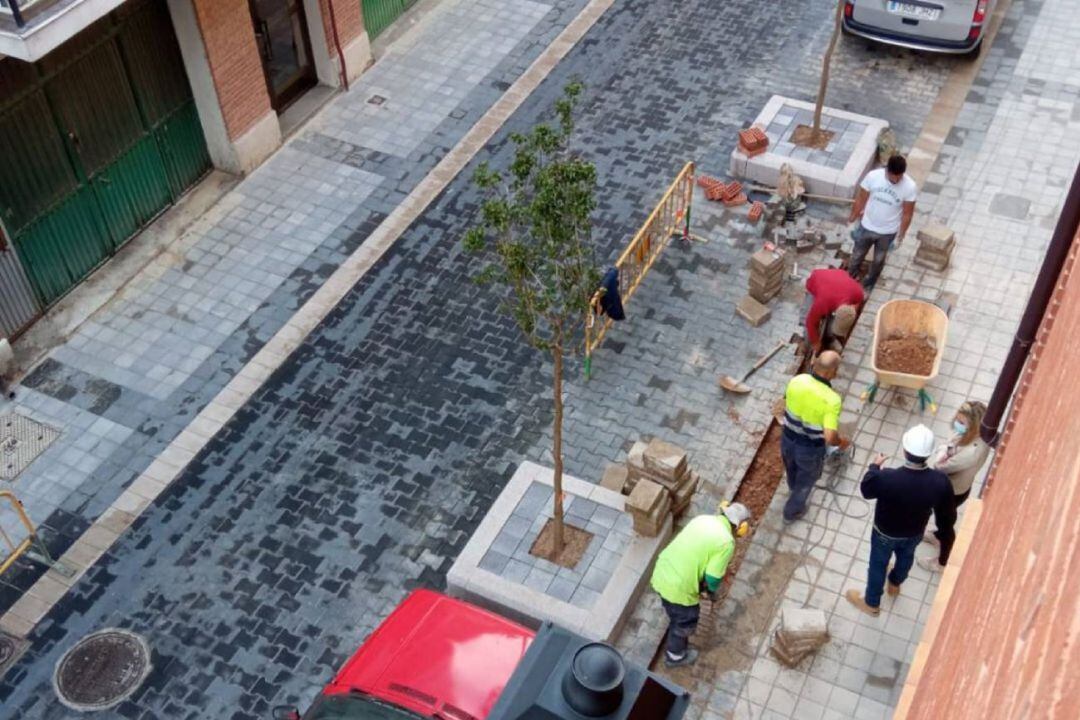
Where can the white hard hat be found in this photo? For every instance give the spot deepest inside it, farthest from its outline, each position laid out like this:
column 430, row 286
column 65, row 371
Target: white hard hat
column 919, row 441
column 736, row 513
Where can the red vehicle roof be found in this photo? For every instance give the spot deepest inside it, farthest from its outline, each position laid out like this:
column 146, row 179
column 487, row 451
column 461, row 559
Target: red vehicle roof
column 436, row 654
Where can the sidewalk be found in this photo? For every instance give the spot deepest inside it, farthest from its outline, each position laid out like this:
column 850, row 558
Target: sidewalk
column 1000, row 192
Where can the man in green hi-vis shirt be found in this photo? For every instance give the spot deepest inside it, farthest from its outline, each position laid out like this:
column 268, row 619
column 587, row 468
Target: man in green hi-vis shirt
column 694, row 561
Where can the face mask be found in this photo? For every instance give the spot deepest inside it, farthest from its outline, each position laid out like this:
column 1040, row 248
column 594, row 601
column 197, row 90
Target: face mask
column 959, row 427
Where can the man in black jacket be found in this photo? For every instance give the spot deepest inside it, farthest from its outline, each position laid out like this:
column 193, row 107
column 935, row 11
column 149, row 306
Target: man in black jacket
column 905, row 498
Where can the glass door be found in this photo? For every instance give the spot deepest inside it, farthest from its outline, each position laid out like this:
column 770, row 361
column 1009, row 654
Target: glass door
column 281, row 33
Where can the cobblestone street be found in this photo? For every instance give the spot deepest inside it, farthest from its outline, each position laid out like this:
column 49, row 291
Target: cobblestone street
column 359, row 469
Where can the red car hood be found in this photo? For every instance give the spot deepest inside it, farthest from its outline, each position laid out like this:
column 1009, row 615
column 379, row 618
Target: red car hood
column 436, row 654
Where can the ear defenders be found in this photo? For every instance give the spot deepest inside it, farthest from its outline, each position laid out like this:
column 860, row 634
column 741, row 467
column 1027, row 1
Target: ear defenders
column 743, row 529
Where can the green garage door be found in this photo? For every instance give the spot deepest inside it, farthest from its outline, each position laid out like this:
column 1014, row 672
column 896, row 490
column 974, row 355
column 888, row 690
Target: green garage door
column 102, row 135
column 379, row 14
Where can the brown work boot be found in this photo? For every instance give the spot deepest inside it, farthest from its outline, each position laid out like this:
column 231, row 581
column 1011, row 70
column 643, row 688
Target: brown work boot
column 855, row 598
column 893, row 590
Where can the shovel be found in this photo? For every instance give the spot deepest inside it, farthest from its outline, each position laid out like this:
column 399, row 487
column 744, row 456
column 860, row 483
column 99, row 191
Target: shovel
column 739, row 386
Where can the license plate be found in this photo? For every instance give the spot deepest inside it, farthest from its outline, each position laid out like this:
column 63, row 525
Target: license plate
column 916, row 11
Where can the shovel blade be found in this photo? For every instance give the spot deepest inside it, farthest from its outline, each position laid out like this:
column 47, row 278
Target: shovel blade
column 732, row 385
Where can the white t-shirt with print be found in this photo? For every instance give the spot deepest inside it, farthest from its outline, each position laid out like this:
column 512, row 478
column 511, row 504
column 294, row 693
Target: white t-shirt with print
column 885, row 206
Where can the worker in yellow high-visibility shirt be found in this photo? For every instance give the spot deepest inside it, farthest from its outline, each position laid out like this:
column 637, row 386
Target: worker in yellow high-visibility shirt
column 811, row 423
column 695, row 561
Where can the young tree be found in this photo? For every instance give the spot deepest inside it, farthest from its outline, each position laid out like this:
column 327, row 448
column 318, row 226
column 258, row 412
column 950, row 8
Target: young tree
column 825, row 66
column 535, row 227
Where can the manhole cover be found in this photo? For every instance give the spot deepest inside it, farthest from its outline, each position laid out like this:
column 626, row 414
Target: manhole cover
column 21, row 440
column 102, row 669
column 10, row 650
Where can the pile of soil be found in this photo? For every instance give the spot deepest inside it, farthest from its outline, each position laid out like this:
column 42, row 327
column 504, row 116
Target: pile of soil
column 575, row 541
column 759, row 484
column 911, row 354
column 804, row 136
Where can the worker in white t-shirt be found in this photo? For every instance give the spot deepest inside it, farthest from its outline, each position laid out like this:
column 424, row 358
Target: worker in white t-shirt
column 883, row 206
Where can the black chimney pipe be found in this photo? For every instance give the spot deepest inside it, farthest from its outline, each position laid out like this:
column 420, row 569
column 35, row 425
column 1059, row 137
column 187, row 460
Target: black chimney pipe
column 1056, row 253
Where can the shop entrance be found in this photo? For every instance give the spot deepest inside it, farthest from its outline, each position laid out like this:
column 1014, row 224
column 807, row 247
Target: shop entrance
column 281, row 32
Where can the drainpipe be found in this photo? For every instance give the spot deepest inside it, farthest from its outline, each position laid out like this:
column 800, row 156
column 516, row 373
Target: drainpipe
column 337, row 44
column 1060, row 243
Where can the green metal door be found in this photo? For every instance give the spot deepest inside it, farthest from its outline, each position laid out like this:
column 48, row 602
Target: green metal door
column 104, row 135
column 379, row 14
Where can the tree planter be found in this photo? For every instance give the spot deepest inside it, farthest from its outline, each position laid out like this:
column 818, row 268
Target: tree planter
column 834, row 171
column 496, row 570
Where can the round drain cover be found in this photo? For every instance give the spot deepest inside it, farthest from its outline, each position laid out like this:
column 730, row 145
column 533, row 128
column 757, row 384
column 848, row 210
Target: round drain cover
column 102, row 669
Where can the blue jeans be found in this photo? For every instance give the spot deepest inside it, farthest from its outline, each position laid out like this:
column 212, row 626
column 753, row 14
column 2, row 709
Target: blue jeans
column 802, row 464
column 882, row 548
column 682, row 621
column 863, row 241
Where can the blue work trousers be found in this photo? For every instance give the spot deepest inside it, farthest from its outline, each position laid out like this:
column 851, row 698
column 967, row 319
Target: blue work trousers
column 882, row 549
column 803, row 463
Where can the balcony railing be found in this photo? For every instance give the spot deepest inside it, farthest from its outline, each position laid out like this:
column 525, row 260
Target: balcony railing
column 15, row 9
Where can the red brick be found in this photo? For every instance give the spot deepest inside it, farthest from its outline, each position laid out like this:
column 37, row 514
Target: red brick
column 757, row 209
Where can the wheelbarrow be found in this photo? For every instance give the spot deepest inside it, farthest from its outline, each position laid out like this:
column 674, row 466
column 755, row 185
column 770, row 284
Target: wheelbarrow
column 910, row 317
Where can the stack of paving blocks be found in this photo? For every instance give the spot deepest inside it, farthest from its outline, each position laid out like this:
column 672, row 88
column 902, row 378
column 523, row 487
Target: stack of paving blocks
column 936, row 243
column 753, row 141
column 766, row 275
column 649, row 505
column 651, row 468
column 801, row 632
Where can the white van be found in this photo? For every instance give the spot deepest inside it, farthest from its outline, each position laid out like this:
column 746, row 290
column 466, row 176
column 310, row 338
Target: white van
column 947, row 26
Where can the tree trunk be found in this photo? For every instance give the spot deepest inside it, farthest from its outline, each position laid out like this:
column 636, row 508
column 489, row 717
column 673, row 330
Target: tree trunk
column 556, row 449
column 825, row 66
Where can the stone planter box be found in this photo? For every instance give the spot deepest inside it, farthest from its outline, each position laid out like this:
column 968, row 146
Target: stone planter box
column 495, row 570
column 834, row 171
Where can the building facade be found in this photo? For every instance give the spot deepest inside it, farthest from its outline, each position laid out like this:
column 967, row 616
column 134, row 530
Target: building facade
column 1010, row 647
column 111, row 109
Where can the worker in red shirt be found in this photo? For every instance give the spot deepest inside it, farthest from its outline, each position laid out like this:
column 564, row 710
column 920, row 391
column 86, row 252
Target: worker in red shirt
column 832, row 305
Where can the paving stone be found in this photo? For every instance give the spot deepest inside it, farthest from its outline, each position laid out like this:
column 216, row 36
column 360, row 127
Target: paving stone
column 753, row 311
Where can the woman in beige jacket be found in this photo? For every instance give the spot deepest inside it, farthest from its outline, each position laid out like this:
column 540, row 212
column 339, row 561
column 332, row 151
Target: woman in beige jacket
column 961, row 459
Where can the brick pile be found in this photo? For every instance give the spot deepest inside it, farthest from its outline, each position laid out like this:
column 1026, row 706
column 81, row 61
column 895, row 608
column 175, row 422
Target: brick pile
column 753, row 141
column 658, row 480
column 801, row 633
column 936, row 243
column 713, row 187
column 733, row 194
column 766, row 275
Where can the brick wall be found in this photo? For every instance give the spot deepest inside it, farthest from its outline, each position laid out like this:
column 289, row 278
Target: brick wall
column 229, row 38
column 350, row 22
column 1009, row 643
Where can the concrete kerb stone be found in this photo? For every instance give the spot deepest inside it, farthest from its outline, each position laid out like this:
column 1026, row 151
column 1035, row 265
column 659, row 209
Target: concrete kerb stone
column 604, row 619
